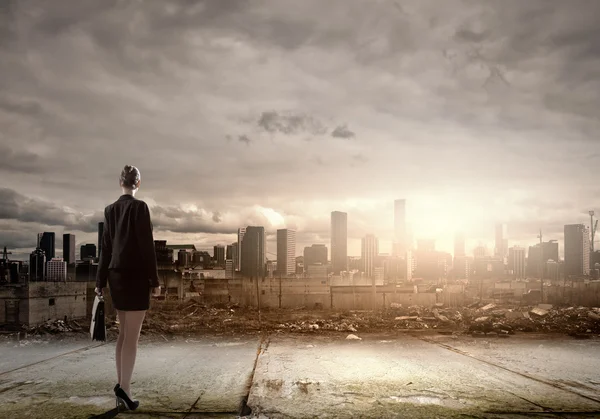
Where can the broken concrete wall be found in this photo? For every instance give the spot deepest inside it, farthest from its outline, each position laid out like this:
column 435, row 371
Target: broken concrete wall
column 55, row 300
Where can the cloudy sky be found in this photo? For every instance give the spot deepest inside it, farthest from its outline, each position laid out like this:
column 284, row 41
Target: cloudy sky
column 276, row 113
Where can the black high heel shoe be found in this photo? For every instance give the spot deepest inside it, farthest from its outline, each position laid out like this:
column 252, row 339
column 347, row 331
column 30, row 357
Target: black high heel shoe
column 123, row 398
column 118, row 386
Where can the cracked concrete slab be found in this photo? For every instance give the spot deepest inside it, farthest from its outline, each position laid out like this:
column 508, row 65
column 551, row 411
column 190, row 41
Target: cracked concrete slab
column 169, row 377
column 311, row 376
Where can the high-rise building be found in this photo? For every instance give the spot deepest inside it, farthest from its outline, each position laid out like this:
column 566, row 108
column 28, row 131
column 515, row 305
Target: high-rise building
column 463, row 267
column 87, row 251
column 480, row 252
column 400, row 245
column 56, row 270
column 235, row 255
column 538, row 255
column 316, row 271
column 37, row 265
column 219, row 255
column 47, row 244
column 369, row 253
column 229, row 268
column 516, row 262
column 100, row 233
column 339, row 242
column 286, row 252
column 253, row 254
column 577, row 250
column 315, row 254
column 500, row 251
column 238, row 262
column 69, row 248
column 459, row 245
column 229, row 252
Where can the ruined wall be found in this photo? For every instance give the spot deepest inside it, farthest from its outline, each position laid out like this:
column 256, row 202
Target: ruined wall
column 55, row 300
column 13, row 304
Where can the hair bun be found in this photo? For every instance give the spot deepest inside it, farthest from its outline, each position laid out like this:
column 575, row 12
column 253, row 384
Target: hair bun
column 130, row 176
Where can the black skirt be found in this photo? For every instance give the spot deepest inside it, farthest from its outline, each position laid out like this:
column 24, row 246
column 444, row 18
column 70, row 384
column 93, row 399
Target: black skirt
column 129, row 289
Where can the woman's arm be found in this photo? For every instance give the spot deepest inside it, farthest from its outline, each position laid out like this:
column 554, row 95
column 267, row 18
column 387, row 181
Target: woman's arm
column 105, row 256
column 146, row 243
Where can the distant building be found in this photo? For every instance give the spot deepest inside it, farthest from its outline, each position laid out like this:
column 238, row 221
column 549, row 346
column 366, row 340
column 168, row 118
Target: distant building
column 100, row 233
column 394, row 269
column 164, row 255
column 516, row 262
column 316, row 271
column 339, row 242
column 69, row 248
column 238, row 262
column 56, row 270
column 286, row 252
column 229, row 252
column 315, row 254
column 46, row 243
column 501, row 251
column 184, row 258
column 378, row 274
column 229, row 269
column 253, row 254
column 577, row 250
column 271, row 268
column 480, row 252
column 37, row 265
column 369, row 254
column 538, row 256
column 219, row 255
column 235, row 255
column 463, row 267
column 87, row 251
column 459, row 245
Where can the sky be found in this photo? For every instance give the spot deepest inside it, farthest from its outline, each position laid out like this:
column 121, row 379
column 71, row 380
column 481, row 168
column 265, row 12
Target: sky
column 276, row 113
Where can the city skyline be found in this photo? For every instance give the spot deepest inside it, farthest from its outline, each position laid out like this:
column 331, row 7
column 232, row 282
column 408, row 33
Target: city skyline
column 475, row 115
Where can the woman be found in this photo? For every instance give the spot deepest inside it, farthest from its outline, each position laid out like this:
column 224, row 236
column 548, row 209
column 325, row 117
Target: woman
column 128, row 263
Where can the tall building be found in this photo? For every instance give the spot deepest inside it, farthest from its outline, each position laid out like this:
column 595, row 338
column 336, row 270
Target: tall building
column 253, row 254
column 219, row 254
column 459, row 245
column 538, row 256
column 516, row 262
column 315, row 255
column 339, row 242
column 400, row 234
column 238, row 261
column 229, row 268
column 229, row 252
column 100, row 233
column 56, row 270
column 37, row 265
column 577, row 250
column 480, row 252
column 69, row 248
column 235, row 255
column 286, row 252
column 184, row 258
column 463, row 267
column 87, row 251
column 369, row 254
column 500, row 249
column 47, row 244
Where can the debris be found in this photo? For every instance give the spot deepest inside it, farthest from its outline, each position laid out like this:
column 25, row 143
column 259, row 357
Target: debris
column 481, row 319
column 396, row 305
column 512, row 315
column 352, row 337
column 545, row 306
column 593, row 316
column 488, row 307
column 539, row 311
column 406, row 318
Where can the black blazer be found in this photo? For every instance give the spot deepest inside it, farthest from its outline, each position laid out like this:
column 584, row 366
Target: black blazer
column 127, row 241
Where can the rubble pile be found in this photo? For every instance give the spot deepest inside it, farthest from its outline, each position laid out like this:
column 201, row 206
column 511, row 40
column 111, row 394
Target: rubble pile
column 54, row 327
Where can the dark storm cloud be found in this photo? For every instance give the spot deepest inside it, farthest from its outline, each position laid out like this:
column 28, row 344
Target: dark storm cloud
column 244, row 139
column 17, row 207
column 342, row 131
column 290, row 123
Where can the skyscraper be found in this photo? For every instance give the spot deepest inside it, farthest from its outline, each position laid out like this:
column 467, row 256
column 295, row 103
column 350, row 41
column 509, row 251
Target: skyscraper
column 369, row 253
column 315, row 255
column 37, row 265
column 501, row 250
column 286, row 252
column 339, row 242
column 47, row 244
column 100, row 233
column 229, row 252
column 237, row 262
column 219, row 255
column 235, row 256
column 69, row 248
column 56, row 270
column 400, row 235
column 253, row 254
column 459, row 245
column 577, row 250
column 87, row 251
column 516, row 262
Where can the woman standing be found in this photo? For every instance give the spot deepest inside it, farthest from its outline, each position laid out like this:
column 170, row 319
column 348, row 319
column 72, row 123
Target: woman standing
column 128, row 263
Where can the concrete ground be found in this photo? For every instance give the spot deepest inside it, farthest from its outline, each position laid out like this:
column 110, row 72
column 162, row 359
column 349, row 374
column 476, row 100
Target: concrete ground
column 309, row 376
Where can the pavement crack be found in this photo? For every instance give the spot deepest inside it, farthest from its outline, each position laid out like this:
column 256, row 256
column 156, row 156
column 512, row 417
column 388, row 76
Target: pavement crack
column 245, row 410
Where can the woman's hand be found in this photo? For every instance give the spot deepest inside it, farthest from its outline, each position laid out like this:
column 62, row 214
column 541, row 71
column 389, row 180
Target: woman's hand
column 156, row 291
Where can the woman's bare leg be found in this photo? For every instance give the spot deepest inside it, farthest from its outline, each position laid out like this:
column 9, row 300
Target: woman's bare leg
column 121, row 316
column 132, row 326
